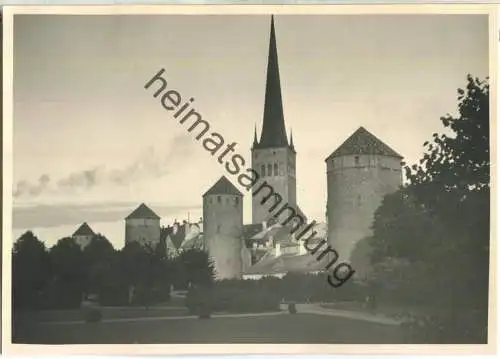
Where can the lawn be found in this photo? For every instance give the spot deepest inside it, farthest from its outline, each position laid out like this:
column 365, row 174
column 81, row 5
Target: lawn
column 107, row 313
column 284, row 328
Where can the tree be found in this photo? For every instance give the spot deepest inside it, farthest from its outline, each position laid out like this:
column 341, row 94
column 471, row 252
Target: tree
column 100, row 265
column 404, row 228
column 457, row 166
column 195, row 268
column 30, row 272
column 453, row 182
column 147, row 272
column 69, row 273
column 440, row 221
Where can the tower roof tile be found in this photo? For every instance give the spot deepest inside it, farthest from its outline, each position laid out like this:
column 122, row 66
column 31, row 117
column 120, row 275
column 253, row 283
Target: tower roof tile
column 84, row 230
column 143, row 212
column 223, row 186
column 362, row 142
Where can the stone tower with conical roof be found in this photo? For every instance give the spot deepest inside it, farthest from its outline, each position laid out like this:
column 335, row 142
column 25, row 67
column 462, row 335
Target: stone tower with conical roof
column 223, row 228
column 83, row 235
column 359, row 174
column 273, row 156
column 143, row 226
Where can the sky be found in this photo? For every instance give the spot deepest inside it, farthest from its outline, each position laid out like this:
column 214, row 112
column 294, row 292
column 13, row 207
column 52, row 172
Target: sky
column 91, row 144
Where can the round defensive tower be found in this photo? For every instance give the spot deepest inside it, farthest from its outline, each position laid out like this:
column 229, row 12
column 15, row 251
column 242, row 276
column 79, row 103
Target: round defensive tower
column 143, row 226
column 359, row 174
column 223, row 228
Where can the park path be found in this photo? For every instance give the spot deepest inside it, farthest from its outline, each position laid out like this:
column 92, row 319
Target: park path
column 374, row 318
column 146, row 319
column 315, row 309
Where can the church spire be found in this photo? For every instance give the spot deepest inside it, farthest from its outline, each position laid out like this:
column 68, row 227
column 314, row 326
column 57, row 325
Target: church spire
column 273, row 128
column 291, row 140
column 255, row 142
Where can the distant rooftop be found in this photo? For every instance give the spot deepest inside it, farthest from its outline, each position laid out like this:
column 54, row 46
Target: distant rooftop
column 143, row 212
column 223, row 186
column 84, row 230
column 304, row 263
column 362, row 142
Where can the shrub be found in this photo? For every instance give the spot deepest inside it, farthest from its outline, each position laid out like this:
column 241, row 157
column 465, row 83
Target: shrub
column 448, row 327
column 114, row 295
column 292, row 308
column 204, row 310
column 231, row 300
column 196, row 298
column 150, row 296
column 93, row 315
column 242, row 301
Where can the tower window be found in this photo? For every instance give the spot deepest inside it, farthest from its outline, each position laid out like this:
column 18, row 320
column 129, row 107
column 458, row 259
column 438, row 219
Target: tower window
column 236, row 201
column 209, row 201
column 219, row 199
column 269, row 170
column 359, row 200
column 356, row 160
column 263, row 170
column 218, row 228
column 275, row 169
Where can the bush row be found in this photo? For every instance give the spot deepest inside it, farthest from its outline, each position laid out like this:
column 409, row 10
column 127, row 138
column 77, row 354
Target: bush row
column 300, row 288
column 219, row 299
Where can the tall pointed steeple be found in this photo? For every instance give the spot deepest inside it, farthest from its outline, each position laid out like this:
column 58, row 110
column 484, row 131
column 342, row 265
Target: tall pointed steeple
column 291, row 140
column 255, row 142
column 273, row 128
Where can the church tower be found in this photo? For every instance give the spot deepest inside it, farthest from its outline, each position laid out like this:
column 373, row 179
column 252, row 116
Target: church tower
column 273, row 157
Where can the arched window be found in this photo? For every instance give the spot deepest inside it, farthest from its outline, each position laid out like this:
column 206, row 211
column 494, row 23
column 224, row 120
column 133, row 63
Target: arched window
column 236, row 201
column 218, row 228
column 359, row 200
column 356, row 160
column 263, row 170
column 219, row 199
column 275, row 169
column 269, row 170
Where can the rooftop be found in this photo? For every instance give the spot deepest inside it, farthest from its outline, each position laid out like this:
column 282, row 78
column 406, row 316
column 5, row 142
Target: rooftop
column 223, row 186
column 362, row 142
column 142, row 212
column 84, row 230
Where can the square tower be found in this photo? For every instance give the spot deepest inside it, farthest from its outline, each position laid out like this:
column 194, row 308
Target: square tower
column 273, row 157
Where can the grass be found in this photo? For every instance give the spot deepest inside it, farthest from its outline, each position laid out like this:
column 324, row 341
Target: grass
column 298, row 328
column 107, row 313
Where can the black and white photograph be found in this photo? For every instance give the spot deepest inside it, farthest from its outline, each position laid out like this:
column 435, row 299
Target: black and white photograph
column 266, row 177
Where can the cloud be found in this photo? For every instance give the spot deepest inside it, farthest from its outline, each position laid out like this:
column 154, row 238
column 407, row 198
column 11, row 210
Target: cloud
column 66, row 214
column 152, row 163
column 32, row 189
